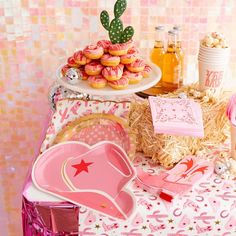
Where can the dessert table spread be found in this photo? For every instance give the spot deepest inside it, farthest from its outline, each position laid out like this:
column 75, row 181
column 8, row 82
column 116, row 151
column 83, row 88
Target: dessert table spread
column 99, row 133
column 208, row 209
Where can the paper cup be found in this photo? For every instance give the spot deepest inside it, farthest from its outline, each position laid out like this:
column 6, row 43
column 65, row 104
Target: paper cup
column 211, row 76
column 213, row 65
column 233, row 141
column 213, row 55
column 214, row 50
column 213, row 61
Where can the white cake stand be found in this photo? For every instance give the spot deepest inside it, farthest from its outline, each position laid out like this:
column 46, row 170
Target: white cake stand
column 83, row 86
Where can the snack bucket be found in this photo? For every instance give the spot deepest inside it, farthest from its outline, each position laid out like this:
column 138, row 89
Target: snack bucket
column 215, row 51
column 213, row 60
column 212, row 75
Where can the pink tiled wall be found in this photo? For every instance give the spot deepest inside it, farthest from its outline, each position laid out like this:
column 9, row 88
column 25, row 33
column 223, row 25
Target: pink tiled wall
column 37, row 35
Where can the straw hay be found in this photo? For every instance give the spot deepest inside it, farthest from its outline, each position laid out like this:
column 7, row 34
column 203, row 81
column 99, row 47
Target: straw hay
column 169, row 149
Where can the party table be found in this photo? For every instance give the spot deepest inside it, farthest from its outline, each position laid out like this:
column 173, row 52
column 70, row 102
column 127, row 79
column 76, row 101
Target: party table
column 208, row 209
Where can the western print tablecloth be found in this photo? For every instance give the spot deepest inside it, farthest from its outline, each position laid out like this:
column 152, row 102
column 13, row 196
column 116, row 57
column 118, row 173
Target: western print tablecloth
column 208, row 209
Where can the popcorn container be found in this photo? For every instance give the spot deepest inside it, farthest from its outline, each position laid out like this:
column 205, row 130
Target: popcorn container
column 209, row 55
column 214, row 51
column 214, row 55
column 233, row 141
column 213, row 60
column 212, row 76
column 213, row 65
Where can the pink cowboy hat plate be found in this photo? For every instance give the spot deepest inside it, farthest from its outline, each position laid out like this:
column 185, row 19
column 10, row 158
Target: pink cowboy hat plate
column 93, row 176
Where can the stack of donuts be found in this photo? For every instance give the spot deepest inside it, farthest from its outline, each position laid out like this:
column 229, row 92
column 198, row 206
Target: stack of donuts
column 104, row 63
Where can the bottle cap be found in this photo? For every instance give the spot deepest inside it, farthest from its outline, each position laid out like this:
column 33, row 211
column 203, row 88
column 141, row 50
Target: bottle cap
column 177, row 28
column 172, row 32
column 160, row 27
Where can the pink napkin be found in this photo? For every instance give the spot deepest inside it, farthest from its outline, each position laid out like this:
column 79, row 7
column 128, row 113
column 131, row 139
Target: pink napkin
column 176, row 116
column 172, row 183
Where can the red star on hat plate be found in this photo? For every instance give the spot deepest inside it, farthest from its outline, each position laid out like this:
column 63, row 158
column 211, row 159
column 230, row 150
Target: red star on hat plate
column 82, row 166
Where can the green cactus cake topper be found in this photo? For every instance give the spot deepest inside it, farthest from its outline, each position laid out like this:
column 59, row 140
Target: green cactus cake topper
column 115, row 28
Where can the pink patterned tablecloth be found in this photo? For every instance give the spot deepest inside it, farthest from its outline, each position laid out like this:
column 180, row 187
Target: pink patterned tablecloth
column 208, row 209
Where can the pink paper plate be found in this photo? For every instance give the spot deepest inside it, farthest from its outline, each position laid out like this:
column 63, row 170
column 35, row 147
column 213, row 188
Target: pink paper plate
column 96, row 130
column 93, row 176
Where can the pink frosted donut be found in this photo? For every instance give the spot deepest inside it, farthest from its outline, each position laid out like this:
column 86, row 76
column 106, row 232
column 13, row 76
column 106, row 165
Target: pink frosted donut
column 80, row 58
column 71, row 62
column 109, row 60
column 64, row 69
column 118, row 49
column 93, row 52
column 104, row 44
column 128, row 58
column 97, row 81
column 147, row 70
column 122, row 83
column 113, row 73
column 134, row 78
column 136, row 66
column 130, row 43
column 133, row 50
column 83, row 73
column 93, row 68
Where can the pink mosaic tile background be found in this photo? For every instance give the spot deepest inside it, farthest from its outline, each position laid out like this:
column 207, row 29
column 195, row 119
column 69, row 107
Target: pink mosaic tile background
column 37, row 35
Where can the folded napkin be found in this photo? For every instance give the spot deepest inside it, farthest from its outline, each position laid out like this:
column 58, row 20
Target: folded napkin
column 176, row 116
column 180, row 179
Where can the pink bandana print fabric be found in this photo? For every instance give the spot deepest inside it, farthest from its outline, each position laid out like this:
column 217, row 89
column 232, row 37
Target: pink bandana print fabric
column 176, row 116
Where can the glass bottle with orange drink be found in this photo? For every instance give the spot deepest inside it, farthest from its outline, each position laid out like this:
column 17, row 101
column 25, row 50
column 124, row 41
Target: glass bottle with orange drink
column 171, row 65
column 158, row 52
column 180, row 51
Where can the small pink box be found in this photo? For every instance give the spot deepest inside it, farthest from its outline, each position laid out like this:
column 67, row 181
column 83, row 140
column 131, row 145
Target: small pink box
column 176, row 116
